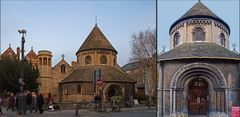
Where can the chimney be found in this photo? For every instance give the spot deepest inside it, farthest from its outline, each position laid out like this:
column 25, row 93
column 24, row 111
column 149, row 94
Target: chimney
column 18, row 53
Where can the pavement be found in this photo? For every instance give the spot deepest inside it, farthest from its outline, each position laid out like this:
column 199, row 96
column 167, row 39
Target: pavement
column 125, row 112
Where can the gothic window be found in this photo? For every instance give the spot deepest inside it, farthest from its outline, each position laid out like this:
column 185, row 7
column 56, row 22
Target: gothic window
column 63, row 68
column 222, row 39
column 176, row 39
column 45, row 61
column 88, row 60
column 199, row 35
column 103, row 59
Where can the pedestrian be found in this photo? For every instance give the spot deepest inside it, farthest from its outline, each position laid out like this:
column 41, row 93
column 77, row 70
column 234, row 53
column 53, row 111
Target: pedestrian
column 29, row 101
column 11, row 102
column 34, row 101
column 1, row 103
column 40, row 102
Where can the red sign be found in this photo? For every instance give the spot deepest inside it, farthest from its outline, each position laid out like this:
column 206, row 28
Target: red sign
column 99, row 82
column 235, row 111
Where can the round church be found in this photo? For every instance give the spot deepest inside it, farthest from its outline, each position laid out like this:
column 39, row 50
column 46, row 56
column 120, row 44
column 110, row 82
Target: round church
column 199, row 75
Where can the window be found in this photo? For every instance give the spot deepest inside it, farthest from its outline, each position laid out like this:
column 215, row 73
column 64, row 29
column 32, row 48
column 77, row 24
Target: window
column 176, row 39
column 45, row 61
column 79, row 89
column 40, row 61
column 222, row 39
column 63, row 68
column 103, row 59
column 49, row 62
column 88, row 60
column 199, row 35
column 114, row 61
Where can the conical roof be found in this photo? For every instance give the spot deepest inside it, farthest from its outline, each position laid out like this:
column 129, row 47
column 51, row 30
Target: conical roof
column 199, row 10
column 96, row 41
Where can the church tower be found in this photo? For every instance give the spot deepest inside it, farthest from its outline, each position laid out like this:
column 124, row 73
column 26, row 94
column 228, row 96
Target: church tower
column 199, row 75
column 199, row 25
column 45, row 69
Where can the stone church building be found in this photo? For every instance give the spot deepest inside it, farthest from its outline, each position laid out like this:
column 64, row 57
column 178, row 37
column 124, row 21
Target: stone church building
column 74, row 83
column 199, row 75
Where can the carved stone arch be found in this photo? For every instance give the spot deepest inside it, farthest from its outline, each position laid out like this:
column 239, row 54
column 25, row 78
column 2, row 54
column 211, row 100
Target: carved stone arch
column 211, row 71
column 106, row 88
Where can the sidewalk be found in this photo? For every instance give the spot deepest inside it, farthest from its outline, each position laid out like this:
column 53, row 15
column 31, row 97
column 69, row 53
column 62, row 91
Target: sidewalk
column 71, row 113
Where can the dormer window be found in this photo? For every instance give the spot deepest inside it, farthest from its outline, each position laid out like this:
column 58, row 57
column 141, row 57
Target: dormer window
column 88, row 60
column 176, row 39
column 222, row 39
column 103, row 59
column 199, row 35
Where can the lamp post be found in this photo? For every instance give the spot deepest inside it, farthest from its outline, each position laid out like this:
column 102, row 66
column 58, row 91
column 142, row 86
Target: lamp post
column 21, row 96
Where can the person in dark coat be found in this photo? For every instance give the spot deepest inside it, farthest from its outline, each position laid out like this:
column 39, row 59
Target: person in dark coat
column 29, row 101
column 11, row 102
column 40, row 102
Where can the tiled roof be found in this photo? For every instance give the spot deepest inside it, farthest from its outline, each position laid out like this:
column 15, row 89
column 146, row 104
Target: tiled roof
column 109, row 73
column 95, row 41
column 199, row 10
column 199, row 50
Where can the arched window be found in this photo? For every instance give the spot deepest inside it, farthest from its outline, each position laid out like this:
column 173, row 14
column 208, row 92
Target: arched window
column 44, row 61
column 63, row 68
column 222, row 39
column 40, row 61
column 114, row 61
column 79, row 89
column 49, row 62
column 199, row 35
column 103, row 59
column 176, row 39
column 88, row 60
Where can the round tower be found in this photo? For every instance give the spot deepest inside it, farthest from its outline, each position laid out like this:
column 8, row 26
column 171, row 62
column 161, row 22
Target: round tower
column 199, row 25
column 45, row 63
column 96, row 50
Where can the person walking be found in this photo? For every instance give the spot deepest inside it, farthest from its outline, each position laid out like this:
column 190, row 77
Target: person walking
column 29, row 101
column 1, row 103
column 11, row 102
column 40, row 102
column 34, row 101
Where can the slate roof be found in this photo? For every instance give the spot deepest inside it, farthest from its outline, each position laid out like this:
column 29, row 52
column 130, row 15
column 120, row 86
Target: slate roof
column 132, row 66
column 199, row 10
column 199, row 50
column 95, row 41
column 109, row 73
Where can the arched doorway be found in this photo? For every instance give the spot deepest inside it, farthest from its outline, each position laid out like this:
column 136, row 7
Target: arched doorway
column 198, row 97
column 113, row 90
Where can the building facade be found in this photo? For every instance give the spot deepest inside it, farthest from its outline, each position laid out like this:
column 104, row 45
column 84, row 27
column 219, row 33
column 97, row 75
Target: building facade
column 199, row 75
column 75, row 82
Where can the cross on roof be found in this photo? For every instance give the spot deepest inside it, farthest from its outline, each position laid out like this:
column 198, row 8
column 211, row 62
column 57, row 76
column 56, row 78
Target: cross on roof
column 95, row 18
column 234, row 46
column 163, row 47
column 63, row 56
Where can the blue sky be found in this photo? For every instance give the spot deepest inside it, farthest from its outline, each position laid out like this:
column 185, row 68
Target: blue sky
column 61, row 26
column 170, row 10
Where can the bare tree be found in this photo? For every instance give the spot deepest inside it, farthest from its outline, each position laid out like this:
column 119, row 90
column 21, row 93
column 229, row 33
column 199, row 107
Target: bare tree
column 144, row 49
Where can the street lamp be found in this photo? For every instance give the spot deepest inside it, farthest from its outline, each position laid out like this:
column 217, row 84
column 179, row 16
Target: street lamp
column 21, row 96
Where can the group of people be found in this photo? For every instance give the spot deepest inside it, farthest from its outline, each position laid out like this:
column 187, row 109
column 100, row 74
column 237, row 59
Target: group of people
column 34, row 101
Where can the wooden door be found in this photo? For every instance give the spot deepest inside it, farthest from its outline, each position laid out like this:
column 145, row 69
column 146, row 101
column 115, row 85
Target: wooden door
column 197, row 97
